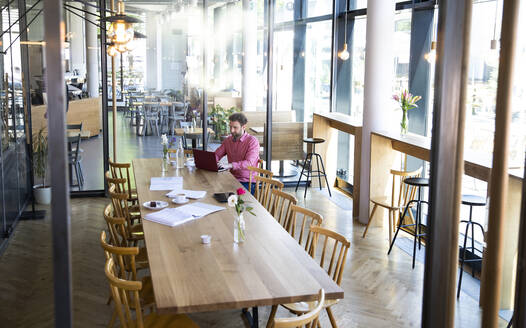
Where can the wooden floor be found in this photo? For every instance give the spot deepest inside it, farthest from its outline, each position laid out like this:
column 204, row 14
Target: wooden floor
column 380, row 290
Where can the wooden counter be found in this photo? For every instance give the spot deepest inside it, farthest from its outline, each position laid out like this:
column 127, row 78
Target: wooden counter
column 88, row 111
column 385, row 149
column 326, row 126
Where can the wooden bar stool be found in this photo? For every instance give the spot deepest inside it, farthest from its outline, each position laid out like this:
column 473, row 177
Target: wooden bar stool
column 419, row 183
column 310, row 172
column 470, row 200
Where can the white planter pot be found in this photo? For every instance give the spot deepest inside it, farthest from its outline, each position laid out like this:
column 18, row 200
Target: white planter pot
column 42, row 194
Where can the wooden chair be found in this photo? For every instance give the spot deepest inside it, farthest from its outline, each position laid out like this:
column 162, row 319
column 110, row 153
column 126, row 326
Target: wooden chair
column 309, row 319
column 122, row 289
column 134, row 232
column 119, row 235
column 281, row 207
column 259, row 172
column 397, row 201
column 264, row 187
column 121, row 186
column 128, row 263
column 308, row 219
column 334, row 245
column 122, row 171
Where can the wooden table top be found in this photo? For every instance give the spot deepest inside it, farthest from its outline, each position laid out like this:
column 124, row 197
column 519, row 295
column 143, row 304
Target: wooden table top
column 477, row 165
column 341, row 122
column 268, row 268
column 181, row 131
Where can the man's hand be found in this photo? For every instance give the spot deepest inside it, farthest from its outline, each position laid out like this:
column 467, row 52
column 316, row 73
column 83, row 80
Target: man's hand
column 226, row 166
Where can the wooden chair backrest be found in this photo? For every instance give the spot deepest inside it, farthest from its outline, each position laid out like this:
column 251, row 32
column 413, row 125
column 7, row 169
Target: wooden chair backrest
column 281, row 207
column 120, row 184
column 264, row 187
column 116, row 227
column 337, row 251
column 309, row 319
column 122, row 171
column 258, row 171
column 120, row 205
column 124, row 256
column 405, row 192
column 123, row 293
column 307, row 220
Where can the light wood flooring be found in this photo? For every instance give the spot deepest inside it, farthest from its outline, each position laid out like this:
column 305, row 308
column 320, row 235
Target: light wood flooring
column 380, row 290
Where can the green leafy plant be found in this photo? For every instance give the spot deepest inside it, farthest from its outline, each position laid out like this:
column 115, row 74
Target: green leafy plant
column 40, row 152
column 219, row 117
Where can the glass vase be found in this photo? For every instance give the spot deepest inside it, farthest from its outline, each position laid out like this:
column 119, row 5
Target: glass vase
column 239, row 229
column 404, row 125
column 164, row 163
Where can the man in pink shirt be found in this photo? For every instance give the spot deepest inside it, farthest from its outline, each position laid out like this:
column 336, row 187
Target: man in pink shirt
column 241, row 149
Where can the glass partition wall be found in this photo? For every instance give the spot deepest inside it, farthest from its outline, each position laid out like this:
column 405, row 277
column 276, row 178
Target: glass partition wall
column 15, row 185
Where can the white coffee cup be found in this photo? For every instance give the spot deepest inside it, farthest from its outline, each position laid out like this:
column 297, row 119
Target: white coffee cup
column 190, row 161
column 180, row 198
column 205, row 239
column 173, row 163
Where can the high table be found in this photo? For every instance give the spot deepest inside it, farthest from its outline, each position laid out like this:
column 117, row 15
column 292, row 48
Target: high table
column 326, row 126
column 385, row 150
column 269, row 268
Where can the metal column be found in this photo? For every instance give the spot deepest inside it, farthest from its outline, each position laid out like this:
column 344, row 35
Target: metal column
column 447, row 163
column 54, row 35
column 270, row 80
column 498, row 185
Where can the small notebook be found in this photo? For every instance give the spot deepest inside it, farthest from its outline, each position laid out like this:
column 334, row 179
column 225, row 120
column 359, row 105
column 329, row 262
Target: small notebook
column 176, row 216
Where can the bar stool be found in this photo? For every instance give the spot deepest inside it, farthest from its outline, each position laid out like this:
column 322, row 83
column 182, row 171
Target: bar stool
column 319, row 174
column 470, row 200
column 419, row 183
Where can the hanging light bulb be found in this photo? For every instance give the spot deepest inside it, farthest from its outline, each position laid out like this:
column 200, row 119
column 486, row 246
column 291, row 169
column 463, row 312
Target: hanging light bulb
column 494, row 42
column 344, row 54
column 432, row 54
column 120, row 31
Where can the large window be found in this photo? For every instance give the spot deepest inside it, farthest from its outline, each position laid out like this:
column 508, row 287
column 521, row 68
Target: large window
column 317, row 68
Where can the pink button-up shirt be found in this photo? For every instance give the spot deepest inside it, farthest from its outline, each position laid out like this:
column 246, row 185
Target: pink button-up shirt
column 241, row 153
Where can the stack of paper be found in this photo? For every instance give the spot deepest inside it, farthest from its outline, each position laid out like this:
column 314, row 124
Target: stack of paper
column 193, row 194
column 175, row 216
column 166, row 183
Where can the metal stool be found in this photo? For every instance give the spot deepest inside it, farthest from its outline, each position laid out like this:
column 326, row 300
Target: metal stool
column 319, row 174
column 419, row 183
column 470, row 200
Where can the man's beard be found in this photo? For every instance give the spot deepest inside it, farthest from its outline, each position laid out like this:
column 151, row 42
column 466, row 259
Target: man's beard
column 237, row 136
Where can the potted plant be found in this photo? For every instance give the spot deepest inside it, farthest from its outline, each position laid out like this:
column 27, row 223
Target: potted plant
column 41, row 192
column 219, row 117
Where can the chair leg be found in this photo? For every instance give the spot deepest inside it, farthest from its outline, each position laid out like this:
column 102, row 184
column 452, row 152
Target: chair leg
column 309, row 172
column 462, row 261
column 391, row 219
column 370, row 220
column 270, row 322
column 331, row 318
column 325, row 176
column 113, row 317
column 301, row 174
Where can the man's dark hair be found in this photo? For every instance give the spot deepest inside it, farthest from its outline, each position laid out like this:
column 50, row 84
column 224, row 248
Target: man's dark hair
column 238, row 117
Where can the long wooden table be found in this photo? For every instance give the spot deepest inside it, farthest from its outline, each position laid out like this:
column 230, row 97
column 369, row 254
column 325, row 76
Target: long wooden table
column 268, row 268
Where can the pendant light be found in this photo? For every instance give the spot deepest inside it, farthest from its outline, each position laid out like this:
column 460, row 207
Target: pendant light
column 493, row 44
column 121, row 30
column 344, row 54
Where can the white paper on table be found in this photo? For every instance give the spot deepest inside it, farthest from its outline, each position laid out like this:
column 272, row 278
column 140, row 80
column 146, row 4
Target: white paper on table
column 199, row 209
column 176, row 216
column 193, row 194
column 170, row 217
column 166, row 183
